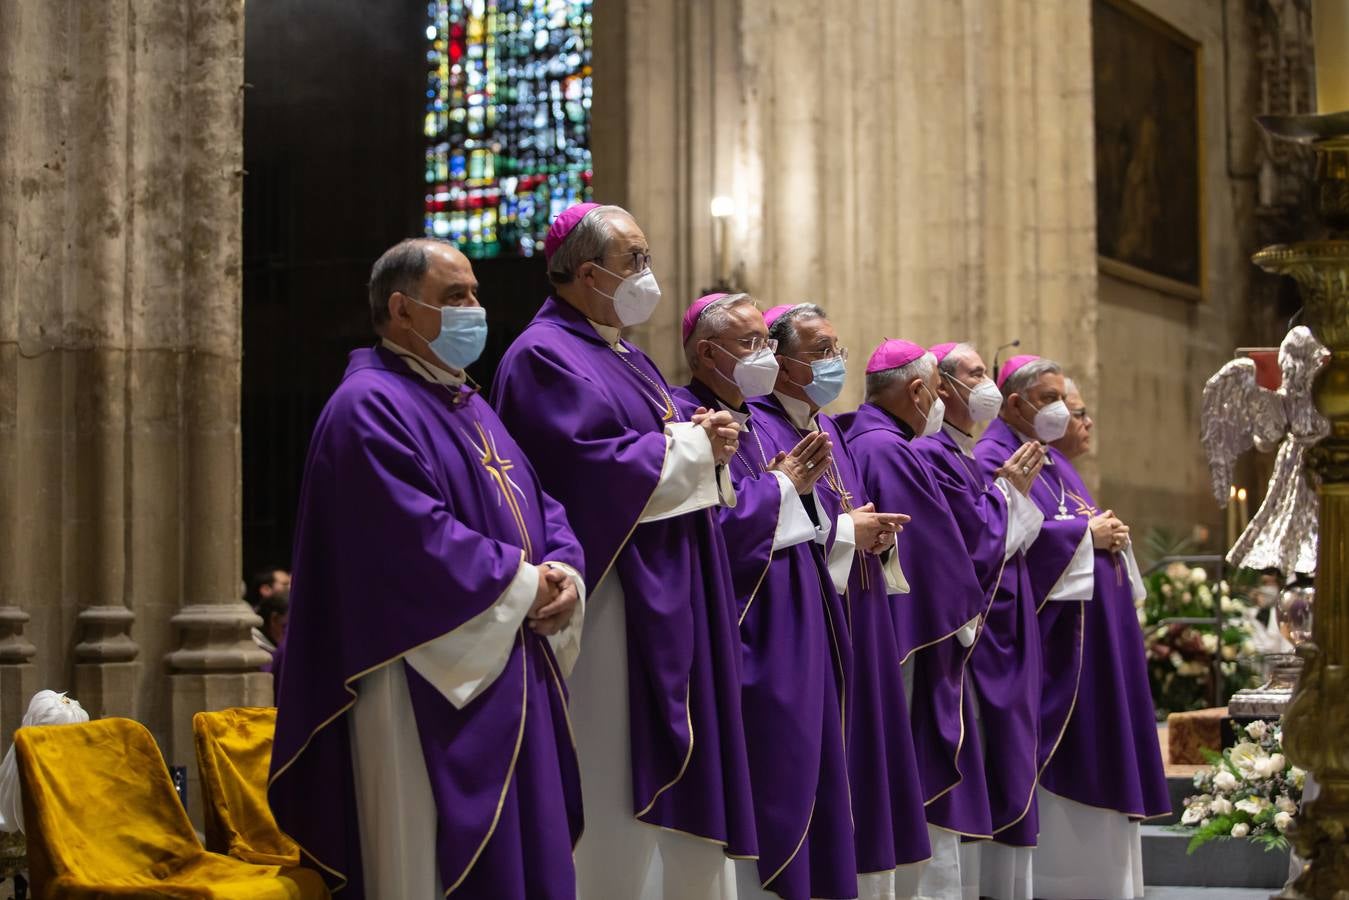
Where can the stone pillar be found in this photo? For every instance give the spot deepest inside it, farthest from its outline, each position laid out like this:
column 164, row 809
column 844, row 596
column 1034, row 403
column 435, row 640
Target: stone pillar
column 120, row 245
column 94, row 344
column 216, row 663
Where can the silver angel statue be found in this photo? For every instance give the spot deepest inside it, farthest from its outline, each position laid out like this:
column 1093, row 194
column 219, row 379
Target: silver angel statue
column 1239, row 414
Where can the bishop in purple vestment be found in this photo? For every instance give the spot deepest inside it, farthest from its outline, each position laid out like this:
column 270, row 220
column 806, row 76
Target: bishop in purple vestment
column 940, row 615
column 795, row 646
column 1060, row 559
column 422, row 745
column 1089, row 838
column 887, row 792
column 656, row 694
column 996, row 522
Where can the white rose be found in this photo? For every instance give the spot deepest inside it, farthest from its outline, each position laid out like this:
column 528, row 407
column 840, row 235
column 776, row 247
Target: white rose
column 1221, row 807
column 1193, row 814
column 1257, row 729
column 1285, row 804
column 1210, row 642
column 1278, row 762
column 1298, row 777
column 1282, row 821
column 1241, row 829
column 1266, row 766
column 1253, row 805
column 1244, row 756
column 1225, row 781
column 1198, row 575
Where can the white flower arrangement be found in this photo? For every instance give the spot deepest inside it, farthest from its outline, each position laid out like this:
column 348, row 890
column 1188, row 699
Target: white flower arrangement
column 1250, row 791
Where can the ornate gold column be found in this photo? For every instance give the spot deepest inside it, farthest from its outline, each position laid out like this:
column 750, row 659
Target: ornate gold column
column 1316, row 724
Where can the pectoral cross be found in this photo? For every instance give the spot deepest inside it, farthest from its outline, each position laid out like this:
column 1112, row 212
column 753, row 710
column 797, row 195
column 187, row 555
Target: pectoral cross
column 498, row 469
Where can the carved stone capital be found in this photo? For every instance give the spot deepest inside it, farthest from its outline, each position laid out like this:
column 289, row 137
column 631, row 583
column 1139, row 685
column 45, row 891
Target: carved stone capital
column 105, row 635
column 217, row 637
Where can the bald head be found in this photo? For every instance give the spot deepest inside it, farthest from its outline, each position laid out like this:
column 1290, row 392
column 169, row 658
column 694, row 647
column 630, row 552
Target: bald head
column 410, row 284
column 404, row 266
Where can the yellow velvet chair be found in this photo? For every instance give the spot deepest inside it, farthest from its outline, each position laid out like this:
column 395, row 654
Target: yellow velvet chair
column 234, row 752
column 104, row 820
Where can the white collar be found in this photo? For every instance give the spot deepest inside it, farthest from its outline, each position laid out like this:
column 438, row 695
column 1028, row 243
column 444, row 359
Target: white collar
column 1049, row 460
column 740, row 417
column 433, row 374
column 609, row 334
column 963, row 440
column 798, row 411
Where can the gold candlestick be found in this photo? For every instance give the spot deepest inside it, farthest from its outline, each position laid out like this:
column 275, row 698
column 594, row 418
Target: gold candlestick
column 1316, row 722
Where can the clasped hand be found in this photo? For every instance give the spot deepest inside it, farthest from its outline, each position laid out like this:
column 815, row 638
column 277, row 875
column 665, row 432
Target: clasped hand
column 875, row 532
column 554, row 601
column 722, row 430
column 806, row 463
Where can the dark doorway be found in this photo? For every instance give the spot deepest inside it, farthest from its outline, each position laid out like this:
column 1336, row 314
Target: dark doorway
column 335, row 161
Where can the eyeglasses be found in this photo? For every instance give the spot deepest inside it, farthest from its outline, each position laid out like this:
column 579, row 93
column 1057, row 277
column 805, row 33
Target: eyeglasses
column 638, row 260
column 840, row 353
column 1079, row 413
column 754, row 343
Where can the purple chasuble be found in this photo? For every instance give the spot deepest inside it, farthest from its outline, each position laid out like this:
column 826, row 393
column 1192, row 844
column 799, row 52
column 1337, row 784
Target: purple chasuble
column 794, row 658
column 944, row 595
column 886, row 791
column 1046, row 561
column 1004, row 665
column 1112, row 721
column 416, row 510
column 593, row 422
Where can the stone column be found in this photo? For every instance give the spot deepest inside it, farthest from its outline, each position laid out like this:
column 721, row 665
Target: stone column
column 216, row 663
column 93, row 343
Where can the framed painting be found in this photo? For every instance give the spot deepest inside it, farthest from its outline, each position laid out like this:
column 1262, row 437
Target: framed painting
column 1149, row 150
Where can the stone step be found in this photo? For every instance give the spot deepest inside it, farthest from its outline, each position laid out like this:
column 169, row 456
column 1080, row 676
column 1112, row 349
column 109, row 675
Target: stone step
column 1220, row 864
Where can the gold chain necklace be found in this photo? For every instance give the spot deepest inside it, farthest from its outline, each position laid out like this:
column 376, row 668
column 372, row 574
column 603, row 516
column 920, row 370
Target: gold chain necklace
column 665, row 406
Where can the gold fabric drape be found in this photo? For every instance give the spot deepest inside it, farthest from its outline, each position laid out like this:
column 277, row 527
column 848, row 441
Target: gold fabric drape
column 104, row 821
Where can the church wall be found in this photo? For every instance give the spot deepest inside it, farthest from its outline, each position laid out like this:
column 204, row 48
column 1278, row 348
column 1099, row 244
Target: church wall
column 1157, row 348
column 922, row 170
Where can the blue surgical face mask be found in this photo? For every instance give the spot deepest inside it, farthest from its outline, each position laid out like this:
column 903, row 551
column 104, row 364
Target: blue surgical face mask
column 463, row 334
column 827, row 383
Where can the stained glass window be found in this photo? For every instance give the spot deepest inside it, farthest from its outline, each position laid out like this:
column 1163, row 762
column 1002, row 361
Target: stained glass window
column 507, row 120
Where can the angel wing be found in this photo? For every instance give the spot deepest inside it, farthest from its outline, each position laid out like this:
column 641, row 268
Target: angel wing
column 1228, row 414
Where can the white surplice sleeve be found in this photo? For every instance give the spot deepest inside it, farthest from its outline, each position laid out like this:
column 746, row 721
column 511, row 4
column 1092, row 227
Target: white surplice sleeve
column 690, row 479
column 566, row 643
column 464, row 662
column 1024, row 519
column 1078, row 581
column 794, row 525
column 1138, row 589
column 841, row 554
column 896, row 582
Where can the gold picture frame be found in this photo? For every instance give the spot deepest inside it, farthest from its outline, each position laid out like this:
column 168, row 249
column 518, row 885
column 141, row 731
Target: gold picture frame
column 1148, row 88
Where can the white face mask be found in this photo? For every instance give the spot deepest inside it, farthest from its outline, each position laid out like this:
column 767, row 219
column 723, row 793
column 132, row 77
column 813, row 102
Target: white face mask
column 984, row 400
column 636, row 297
column 755, row 374
column 1051, row 422
column 936, row 413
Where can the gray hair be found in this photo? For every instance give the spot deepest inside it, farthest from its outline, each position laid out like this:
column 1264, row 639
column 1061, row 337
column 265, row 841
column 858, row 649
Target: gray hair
column 1027, row 375
column 951, row 361
column 783, row 329
column 586, row 242
column 922, row 367
column 1070, row 386
column 714, row 319
column 399, row 269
